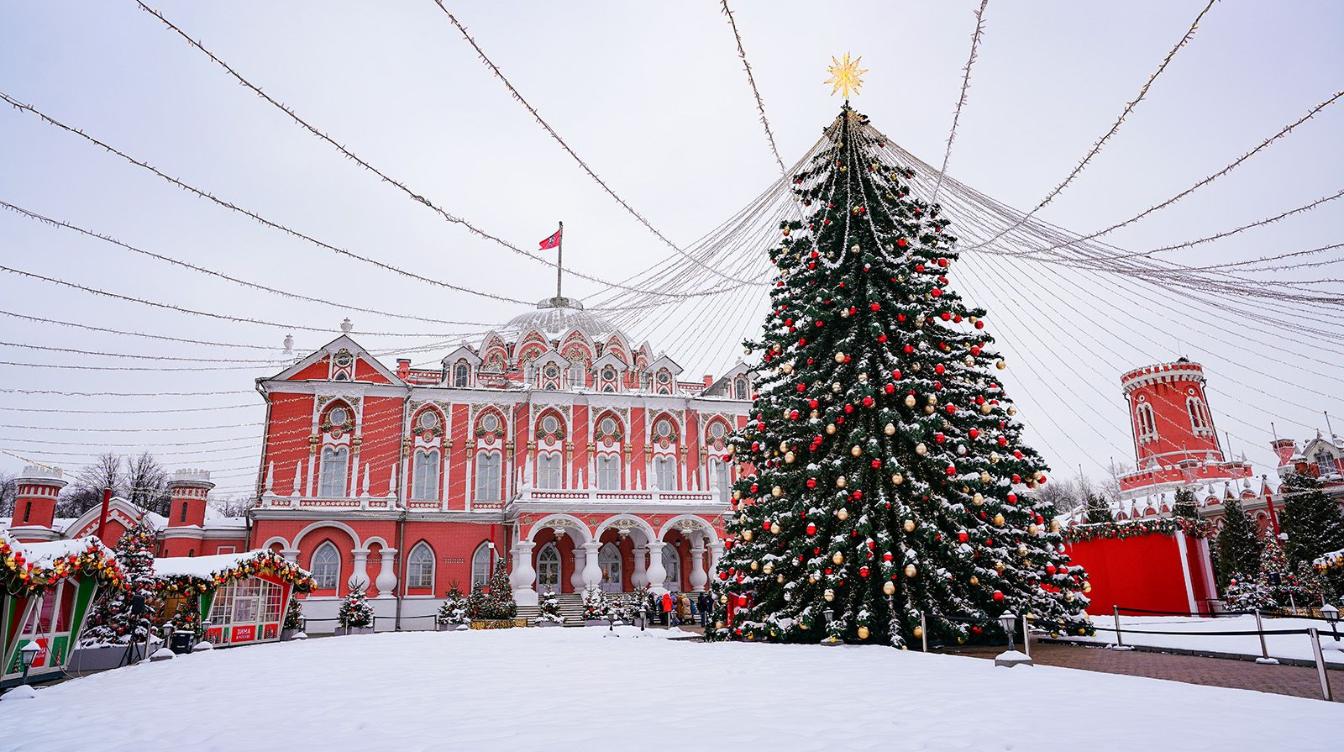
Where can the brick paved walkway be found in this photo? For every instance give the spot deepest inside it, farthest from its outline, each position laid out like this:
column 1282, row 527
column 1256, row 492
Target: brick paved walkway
column 1297, row 681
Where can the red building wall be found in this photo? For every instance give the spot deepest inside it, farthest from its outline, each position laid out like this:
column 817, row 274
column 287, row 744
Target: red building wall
column 1143, row 572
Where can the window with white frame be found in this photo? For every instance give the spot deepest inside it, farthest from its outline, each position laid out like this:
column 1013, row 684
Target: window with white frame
column 480, row 565
column 1200, row 421
column 461, row 374
column 1325, row 462
column 334, row 468
column 326, row 566
column 487, row 476
column 1147, row 423
column 420, row 567
column 548, row 470
column 425, row 481
column 718, row 471
column 608, row 472
column 665, row 472
column 743, row 389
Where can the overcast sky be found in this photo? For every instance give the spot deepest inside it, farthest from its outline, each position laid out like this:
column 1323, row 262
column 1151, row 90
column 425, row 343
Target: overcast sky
column 654, row 98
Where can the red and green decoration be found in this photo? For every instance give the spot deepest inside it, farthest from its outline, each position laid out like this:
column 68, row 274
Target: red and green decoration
column 190, row 586
column 885, row 476
column 1134, row 528
column 70, row 574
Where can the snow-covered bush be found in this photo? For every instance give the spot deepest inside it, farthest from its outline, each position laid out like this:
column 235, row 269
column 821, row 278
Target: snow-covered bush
column 1247, row 594
column 355, row 612
column 548, row 607
column 595, row 605
column 454, row 608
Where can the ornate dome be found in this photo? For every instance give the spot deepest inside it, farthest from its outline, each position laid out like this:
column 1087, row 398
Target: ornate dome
column 557, row 315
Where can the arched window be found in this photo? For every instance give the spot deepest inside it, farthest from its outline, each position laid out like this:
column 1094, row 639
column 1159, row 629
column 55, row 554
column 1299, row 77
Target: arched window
column 326, row 566
column 335, row 467
column 1147, row 424
column 608, row 472
column 481, row 562
column 420, row 567
column 743, row 389
column 672, row 564
column 548, row 569
column 665, row 472
column 461, row 374
column 487, row 476
column 548, row 470
column 609, row 561
column 425, row 483
column 1199, row 416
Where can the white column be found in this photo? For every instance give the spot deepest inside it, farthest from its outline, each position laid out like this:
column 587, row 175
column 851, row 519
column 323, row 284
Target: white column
column 715, row 553
column 576, row 579
column 291, row 555
column 387, row 574
column 639, row 578
column 359, row 578
column 523, row 577
column 656, row 573
column 698, row 576
column 592, row 573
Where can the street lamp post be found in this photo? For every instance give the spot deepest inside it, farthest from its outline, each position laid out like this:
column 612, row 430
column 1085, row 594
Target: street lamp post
column 1331, row 615
column 28, row 654
column 1010, row 658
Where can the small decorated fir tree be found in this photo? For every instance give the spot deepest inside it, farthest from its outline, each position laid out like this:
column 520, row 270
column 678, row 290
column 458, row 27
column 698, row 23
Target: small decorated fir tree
column 1238, row 544
column 1185, row 506
column 356, row 612
column 476, row 601
column 499, row 602
column 294, row 614
column 111, row 620
column 1098, row 510
column 454, row 609
column 548, row 607
column 1247, row 594
column 1288, row 586
column 595, row 605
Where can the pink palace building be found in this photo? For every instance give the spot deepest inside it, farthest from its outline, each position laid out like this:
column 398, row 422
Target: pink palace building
column 556, row 444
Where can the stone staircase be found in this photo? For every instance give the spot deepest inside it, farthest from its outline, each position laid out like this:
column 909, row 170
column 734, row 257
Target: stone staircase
column 571, row 608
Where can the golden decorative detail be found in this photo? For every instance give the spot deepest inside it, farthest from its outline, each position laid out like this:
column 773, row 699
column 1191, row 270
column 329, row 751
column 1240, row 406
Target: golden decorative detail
column 846, row 75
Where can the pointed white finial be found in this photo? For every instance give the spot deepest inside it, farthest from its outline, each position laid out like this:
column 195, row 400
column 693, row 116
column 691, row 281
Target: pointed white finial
column 270, row 478
column 298, row 476
column 365, row 489
column 346, row 326
column 392, row 483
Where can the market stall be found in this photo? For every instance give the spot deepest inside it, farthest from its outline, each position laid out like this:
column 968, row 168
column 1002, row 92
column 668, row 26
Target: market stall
column 47, row 591
column 230, row 599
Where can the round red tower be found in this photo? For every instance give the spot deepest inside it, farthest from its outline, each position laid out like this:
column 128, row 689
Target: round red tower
column 1175, row 441
column 35, row 504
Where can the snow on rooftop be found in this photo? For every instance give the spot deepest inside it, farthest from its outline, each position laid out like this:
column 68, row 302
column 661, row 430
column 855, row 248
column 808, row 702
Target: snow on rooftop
column 200, row 567
column 43, row 554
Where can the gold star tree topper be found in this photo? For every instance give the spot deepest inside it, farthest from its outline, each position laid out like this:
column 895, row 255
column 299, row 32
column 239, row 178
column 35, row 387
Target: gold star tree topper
column 845, row 75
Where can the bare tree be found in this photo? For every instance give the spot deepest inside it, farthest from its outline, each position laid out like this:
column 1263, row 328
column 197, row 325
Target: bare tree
column 9, row 492
column 235, row 507
column 147, row 483
column 86, row 491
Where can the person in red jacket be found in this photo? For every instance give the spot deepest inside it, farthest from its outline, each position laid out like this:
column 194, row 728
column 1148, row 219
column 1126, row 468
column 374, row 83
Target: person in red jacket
column 667, row 609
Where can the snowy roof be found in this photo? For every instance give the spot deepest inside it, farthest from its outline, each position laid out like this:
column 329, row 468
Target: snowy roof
column 555, row 316
column 44, row 554
column 201, row 567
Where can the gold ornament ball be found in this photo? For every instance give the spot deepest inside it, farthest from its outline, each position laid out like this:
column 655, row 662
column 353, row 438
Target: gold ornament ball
column 830, row 428
column 910, row 570
column 783, row 446
column 835, row 387
column 985, row 408
column 839, row 357
column 829, row 595
column 889, row 429
column 932, row 399
column 787, row 368
column 811, row 579
column 718, row 625
column 889, row 587
column 755, row 566
column 918, row 633
column 746, row 535
column 1012, row 410
column 977, row 499
column 840, row 482
column 863, row 633
column 737, row 495
column 1032, row 529
column 788, row 457
column 1021, row 549
column 998, row 520
column 909, row 400
column 863, row 378
column 970, row 361
column 974, row 580
column 856, row 450
column 837, row 558
column 921, row 449
column 897, row 479
column 779, row 579
column 768, row 568
column 984, row 477
column 1054, row 525
column 909, row 526
column 842, row 513
column 774, row 528
column 998, row 567
column 928, row 409
column 1000, row 365
column 1087, row 587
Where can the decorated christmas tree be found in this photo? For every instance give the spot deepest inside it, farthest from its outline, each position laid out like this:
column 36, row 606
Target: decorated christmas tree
column 595, row 605
column 1248, row 594
column 476, row 601
column 548, row 608
column 454, row 609
column 1288, row 586
column 884, row 473
column 1314, row 522
column 111, row 620
column 1238, row 544
column 1184, row 505
column 294, row 614
column 355, row 611
column 498, row 603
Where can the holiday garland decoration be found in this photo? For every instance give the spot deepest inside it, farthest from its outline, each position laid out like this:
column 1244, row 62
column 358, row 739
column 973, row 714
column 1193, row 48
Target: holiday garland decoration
column 260, row 562
column 20, row 572
column 1132, row 528
column 883, row 477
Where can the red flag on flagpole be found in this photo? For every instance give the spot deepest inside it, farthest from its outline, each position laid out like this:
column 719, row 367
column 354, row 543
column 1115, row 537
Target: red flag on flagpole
column 553, row 241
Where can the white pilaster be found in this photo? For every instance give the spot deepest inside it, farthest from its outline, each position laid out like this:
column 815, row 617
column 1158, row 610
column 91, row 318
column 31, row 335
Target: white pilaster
column 656, row 572
column 359, row 578
column 715, row 553
column 298, row 479
column 698, row 576
column 291, row 555
column 592, row 573
column 576, row 579
column 387, row 575
column 523, row 577
column 640, row 577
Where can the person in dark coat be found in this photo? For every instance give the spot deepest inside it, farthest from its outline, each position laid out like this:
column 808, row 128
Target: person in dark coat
column 704, row 602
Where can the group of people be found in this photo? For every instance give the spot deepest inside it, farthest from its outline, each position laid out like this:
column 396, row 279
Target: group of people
column 674, row 609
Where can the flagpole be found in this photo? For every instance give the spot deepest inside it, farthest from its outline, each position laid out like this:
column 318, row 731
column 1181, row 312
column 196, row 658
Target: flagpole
column 559, row 259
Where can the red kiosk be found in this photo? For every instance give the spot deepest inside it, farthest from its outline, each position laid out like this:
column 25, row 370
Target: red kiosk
column 236, row 599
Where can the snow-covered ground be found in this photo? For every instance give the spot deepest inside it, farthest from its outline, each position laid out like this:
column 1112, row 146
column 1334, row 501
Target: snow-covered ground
column 1280, row 646
column 587, row 689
